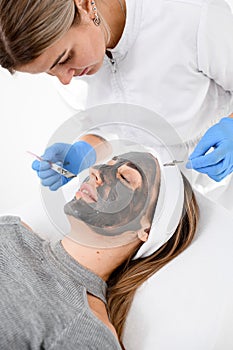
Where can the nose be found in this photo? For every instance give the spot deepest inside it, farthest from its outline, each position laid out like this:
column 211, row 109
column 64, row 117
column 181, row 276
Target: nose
column 65, row 76
column 95, row 175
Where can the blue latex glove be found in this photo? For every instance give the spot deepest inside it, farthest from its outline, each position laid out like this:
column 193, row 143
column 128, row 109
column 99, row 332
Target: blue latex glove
column 217, row 163
column 74, row 158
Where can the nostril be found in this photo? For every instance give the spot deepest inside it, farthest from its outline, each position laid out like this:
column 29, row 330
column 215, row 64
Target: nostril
column 98, row 179
column 96, row 174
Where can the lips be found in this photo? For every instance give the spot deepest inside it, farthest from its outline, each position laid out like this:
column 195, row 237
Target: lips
column 83, row 72
column 87, row 192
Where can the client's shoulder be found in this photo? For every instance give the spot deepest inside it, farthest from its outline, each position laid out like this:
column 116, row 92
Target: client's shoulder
column 9, row 220
column 9, row 225
column 14, row 230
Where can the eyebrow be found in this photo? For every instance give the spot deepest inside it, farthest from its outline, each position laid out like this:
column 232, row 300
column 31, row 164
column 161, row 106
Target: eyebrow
column 58, row 59
column 129, row 164
column 133, row 166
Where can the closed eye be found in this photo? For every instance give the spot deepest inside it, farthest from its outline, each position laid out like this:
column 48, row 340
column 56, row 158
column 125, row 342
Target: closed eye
column 124, row 178
column 66, row 60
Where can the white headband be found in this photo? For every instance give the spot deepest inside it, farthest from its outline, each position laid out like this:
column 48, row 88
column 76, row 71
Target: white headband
column 168, row 209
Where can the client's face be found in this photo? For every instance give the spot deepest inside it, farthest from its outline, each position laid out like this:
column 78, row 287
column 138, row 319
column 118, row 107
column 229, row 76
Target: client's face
column 117, row 196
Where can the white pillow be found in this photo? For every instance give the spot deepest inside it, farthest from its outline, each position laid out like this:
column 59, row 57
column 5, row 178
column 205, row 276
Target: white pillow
column 188, row 303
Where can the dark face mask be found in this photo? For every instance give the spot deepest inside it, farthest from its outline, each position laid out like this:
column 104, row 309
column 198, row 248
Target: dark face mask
column 118, row 208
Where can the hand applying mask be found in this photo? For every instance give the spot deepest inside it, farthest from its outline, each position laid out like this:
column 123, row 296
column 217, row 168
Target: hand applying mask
column 74, row 158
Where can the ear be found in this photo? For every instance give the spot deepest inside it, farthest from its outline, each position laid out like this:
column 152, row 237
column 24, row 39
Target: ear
column 84, row 5
column 143, row 235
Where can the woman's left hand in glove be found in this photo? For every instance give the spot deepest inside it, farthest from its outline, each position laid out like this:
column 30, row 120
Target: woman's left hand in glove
column 213, row 155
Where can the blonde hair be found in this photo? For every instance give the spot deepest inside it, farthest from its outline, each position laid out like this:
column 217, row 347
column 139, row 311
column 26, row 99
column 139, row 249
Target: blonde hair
column 124, row 281
column 28, row 27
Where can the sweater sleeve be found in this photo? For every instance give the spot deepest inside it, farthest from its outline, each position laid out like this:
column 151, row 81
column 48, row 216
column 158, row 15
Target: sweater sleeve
column 215, row 43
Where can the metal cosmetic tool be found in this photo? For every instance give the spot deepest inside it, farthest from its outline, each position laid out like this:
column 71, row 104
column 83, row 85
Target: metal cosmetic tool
column 173, row 163
column 59, row 169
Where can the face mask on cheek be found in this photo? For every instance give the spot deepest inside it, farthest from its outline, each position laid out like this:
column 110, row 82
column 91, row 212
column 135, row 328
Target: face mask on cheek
column 118, row 209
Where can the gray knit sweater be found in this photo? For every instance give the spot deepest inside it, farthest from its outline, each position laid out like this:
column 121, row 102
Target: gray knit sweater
column 43, row 302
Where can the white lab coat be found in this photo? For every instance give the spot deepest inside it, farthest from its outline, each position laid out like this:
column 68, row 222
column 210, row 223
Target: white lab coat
column 175, row 58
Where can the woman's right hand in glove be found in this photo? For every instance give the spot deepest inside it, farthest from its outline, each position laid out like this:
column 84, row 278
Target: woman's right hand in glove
column 74, row 158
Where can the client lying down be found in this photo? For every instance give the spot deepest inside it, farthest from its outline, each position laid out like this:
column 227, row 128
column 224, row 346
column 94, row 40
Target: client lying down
column 75, row 293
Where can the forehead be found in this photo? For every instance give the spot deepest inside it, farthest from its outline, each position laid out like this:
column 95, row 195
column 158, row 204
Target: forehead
column 43, row 63
column 138, row 160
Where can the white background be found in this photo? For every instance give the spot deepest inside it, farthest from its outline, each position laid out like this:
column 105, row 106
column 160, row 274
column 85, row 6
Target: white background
column 31, row 110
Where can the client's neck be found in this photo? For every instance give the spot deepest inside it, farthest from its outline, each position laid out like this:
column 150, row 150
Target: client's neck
column 101, row 261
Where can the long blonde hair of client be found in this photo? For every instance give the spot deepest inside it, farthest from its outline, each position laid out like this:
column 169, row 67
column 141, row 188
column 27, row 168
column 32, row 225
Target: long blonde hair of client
column 124, row 281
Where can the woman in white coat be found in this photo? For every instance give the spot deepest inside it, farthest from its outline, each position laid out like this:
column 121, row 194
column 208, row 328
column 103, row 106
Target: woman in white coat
column 173, row 57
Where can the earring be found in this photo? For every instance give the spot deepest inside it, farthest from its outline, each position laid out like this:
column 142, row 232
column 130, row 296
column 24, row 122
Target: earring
column 96, row 20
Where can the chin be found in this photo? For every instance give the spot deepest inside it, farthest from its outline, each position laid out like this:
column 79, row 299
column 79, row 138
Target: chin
column 95, row 68
column 68, row 207
column 92, row 71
